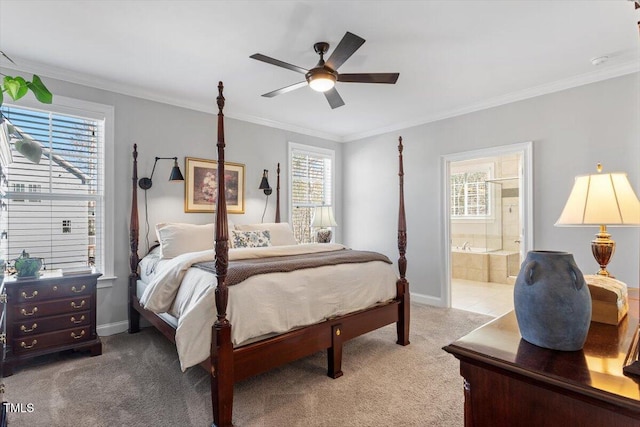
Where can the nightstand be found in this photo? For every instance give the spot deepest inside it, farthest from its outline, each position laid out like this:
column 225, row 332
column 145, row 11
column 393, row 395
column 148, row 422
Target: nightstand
column 49, row 315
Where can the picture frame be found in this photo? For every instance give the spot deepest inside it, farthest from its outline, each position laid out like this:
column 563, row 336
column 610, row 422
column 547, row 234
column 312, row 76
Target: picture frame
column 200, row 189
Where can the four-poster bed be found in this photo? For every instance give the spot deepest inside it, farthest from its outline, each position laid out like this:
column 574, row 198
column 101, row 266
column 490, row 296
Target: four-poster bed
column 227, row 363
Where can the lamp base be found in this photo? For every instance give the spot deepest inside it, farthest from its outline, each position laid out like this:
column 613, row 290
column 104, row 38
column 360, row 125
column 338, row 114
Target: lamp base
column 602, row 248
column 323, row 235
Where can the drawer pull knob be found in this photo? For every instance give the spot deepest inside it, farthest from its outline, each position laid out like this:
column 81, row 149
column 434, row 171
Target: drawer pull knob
column 31, row 313
column 33, row 295
column 24, row 344
column 77, row 337
column 74, row 305
column 24, row 328
column 55, row 288
column 73, row 319
column 73, row 289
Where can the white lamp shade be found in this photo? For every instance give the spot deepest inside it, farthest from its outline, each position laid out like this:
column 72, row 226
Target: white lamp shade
column 323, row 217
column 602, row 199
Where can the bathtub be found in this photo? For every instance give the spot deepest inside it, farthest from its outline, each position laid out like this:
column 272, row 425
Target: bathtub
column 477, row 264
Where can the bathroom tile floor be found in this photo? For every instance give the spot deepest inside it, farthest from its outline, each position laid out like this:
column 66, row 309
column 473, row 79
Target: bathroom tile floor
column 493, row 299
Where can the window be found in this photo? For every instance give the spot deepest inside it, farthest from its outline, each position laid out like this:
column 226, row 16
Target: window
column 311, row 179
column 17, row 188
column 470, row 195
column 35, row 188
column 68, row 184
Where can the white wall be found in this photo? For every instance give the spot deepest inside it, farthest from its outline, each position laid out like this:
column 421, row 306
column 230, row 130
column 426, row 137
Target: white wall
column 571, row 131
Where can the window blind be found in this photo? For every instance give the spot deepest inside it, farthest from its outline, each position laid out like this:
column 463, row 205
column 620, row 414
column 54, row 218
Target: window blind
column 54, row 208
column 311, row 186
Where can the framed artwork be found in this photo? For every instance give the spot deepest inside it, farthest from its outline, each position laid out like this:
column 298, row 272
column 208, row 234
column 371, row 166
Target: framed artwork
column 201, row 188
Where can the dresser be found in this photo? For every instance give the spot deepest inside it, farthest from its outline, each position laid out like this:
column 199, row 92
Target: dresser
column 508, row 381
column 48, row 315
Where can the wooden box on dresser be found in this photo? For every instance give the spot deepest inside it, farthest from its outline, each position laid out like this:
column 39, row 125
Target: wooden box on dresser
column 48, row 315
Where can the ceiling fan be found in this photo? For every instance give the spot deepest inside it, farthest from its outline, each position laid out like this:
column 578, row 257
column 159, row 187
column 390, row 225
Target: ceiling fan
column 323, row 76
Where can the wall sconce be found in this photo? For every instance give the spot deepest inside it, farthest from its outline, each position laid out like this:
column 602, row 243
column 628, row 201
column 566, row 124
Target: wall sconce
column 264, row 186
column 176, row 175
column 264, row 183
column 23, row 143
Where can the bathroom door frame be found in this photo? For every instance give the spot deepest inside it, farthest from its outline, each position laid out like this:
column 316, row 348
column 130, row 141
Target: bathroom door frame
column 525, row 150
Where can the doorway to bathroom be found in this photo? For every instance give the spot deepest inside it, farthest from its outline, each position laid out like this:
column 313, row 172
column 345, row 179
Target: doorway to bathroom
column 488, row 212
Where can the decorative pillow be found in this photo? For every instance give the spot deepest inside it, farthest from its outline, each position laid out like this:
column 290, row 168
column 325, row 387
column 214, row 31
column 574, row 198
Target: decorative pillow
column 281, row 233
column 179, row 238
column 250, row 239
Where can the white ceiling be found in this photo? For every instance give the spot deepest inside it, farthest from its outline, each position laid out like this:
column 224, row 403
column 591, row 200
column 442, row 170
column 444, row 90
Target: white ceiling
column 453, row 56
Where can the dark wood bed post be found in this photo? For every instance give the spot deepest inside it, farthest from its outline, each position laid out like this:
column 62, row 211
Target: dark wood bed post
column 134, row 316
column 221, row 347
column 402, row 285
column 278, row 195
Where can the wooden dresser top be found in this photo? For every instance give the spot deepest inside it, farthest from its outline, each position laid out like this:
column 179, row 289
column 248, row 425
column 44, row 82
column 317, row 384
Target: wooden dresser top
column 596, row 370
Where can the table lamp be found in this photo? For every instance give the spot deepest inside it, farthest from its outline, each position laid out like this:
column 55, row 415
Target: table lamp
column 323, row 218
column 599, row 200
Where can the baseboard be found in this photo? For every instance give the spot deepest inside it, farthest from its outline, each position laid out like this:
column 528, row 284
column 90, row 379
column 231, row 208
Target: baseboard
column 112, row 328
column 426, row 299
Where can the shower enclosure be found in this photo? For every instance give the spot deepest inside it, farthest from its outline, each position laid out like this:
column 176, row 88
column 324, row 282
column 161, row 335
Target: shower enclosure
column 491, row 252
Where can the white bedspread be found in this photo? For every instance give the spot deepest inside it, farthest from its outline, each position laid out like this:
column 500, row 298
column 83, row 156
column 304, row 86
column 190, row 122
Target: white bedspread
column 261, row 305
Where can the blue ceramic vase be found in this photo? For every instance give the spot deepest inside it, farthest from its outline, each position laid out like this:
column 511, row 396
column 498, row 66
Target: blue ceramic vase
column 552, row 301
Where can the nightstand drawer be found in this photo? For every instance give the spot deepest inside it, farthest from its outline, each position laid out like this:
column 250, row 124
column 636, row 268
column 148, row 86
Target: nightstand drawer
column 27, row 328
column 42, row 341
column 49, row 308
column 54, row 290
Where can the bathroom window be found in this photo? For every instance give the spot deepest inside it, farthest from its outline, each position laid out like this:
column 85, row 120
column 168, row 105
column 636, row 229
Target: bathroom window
column 470, row 194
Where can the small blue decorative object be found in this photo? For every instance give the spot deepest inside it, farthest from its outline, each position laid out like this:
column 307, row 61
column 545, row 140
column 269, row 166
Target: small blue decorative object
column 27, row 267
column 552, row 301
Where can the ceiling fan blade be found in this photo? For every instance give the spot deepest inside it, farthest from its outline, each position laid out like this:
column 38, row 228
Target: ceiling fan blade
column 272, row 61
column 285, row 89
column 347, row 46
column 390, row 78
column 334, row 98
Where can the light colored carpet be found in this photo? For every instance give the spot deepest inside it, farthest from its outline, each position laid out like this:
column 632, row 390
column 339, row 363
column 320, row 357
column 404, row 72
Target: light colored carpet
column 137, row 382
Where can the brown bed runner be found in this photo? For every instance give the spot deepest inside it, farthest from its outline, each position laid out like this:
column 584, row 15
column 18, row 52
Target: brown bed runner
column 240, row 270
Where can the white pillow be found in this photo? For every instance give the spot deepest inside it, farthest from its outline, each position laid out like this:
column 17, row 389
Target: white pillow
column 179, row 238
column 281, row 233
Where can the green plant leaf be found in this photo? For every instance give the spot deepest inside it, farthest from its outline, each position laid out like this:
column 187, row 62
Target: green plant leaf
column 12, row 86
column 40, row 90
column 1, row 96
column 23, row 89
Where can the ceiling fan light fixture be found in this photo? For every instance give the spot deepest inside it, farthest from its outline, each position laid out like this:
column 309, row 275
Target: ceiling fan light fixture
column 321, row 80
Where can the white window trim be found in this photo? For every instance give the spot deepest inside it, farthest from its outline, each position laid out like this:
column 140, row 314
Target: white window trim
column 77, row 107
column 293, row 147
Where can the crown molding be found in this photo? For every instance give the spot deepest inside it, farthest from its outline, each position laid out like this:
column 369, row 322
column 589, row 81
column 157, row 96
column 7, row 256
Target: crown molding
column 607, row 72
column 135, row 91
